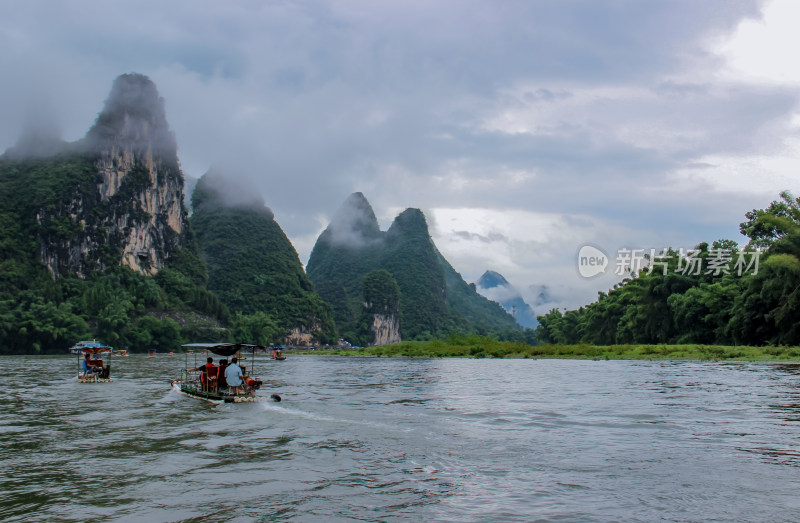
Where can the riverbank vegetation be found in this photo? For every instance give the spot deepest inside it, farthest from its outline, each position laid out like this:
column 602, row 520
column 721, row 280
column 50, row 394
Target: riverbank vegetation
column 482, row 347
column 713, row 294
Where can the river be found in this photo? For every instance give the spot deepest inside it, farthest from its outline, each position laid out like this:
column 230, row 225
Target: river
column 364, row 439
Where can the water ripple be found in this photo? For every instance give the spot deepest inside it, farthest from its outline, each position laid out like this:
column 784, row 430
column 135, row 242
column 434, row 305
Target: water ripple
column 405, row 440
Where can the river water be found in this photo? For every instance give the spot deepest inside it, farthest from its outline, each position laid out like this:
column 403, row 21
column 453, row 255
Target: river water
column 361, row 439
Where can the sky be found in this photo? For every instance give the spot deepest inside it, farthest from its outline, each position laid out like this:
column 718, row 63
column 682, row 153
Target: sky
column 524, row 130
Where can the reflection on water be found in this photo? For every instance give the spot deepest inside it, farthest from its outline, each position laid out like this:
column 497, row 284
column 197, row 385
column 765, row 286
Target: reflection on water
column 405, row 440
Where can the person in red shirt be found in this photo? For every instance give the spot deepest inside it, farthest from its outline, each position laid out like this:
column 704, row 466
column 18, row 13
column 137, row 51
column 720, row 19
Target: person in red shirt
column 208, row 374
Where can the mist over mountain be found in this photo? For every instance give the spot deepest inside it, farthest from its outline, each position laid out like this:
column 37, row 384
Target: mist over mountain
column 134, row 120
column 354, row 225
column 495, row 287
column 189, row 183
column 434, row 299
column 544, row 298
column 219, row 190
column 36, row 145
column 41, row 135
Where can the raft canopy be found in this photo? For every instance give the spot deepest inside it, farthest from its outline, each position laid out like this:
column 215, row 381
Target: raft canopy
column 224, row 349
column 96, row 350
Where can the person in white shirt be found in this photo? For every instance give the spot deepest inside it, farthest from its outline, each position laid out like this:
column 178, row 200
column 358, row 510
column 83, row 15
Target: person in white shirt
column 233, row 374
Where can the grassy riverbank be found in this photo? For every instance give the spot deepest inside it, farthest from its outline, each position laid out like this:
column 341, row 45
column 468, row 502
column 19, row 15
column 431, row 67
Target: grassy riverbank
column 480, row 347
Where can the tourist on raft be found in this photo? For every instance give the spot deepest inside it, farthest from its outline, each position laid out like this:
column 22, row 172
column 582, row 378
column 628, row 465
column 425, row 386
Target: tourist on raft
column 208, row 374
column 221, row 382
column 233, row 375
column 89, row 367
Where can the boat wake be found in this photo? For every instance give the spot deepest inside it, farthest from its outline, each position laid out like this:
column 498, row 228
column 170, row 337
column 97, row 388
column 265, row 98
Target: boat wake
column 174, row 394
column 273, row 407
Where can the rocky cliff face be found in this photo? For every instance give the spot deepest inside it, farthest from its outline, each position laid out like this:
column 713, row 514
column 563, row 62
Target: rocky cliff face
column 300, row 337
column 381, row 307
column 133, row 214
column 385, row 329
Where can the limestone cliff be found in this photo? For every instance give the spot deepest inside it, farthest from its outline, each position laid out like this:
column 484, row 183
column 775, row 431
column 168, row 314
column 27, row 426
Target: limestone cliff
column 385, row 329
column 132, row 212
column 381, row 307
column 301, row 337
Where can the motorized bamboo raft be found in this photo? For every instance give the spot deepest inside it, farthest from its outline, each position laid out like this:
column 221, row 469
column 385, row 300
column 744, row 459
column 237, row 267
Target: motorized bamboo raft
column 93, row 369
column 207, row 381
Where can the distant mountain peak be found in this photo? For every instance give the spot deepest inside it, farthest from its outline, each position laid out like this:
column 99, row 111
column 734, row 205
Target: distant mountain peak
column 495, row 287
column 357, row 199
column 491, row 279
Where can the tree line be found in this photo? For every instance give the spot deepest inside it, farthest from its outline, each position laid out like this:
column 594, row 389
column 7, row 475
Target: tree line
column 712, row 294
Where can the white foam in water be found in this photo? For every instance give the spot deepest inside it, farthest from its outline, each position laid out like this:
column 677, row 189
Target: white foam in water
column 302, row 413
column 317, row 417
column 170, row 396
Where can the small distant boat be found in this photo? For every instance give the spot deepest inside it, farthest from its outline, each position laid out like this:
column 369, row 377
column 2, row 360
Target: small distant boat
column 277, row 354
column 207, row 383
column 92, row 369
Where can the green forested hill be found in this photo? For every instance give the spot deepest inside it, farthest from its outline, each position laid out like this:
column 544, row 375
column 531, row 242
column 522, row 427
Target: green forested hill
column 253, row 267
column 715, row 294
column 434, row 299
column 40, row 314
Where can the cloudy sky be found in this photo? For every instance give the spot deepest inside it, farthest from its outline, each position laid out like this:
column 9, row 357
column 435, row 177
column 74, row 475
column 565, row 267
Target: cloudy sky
column 523, row 129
